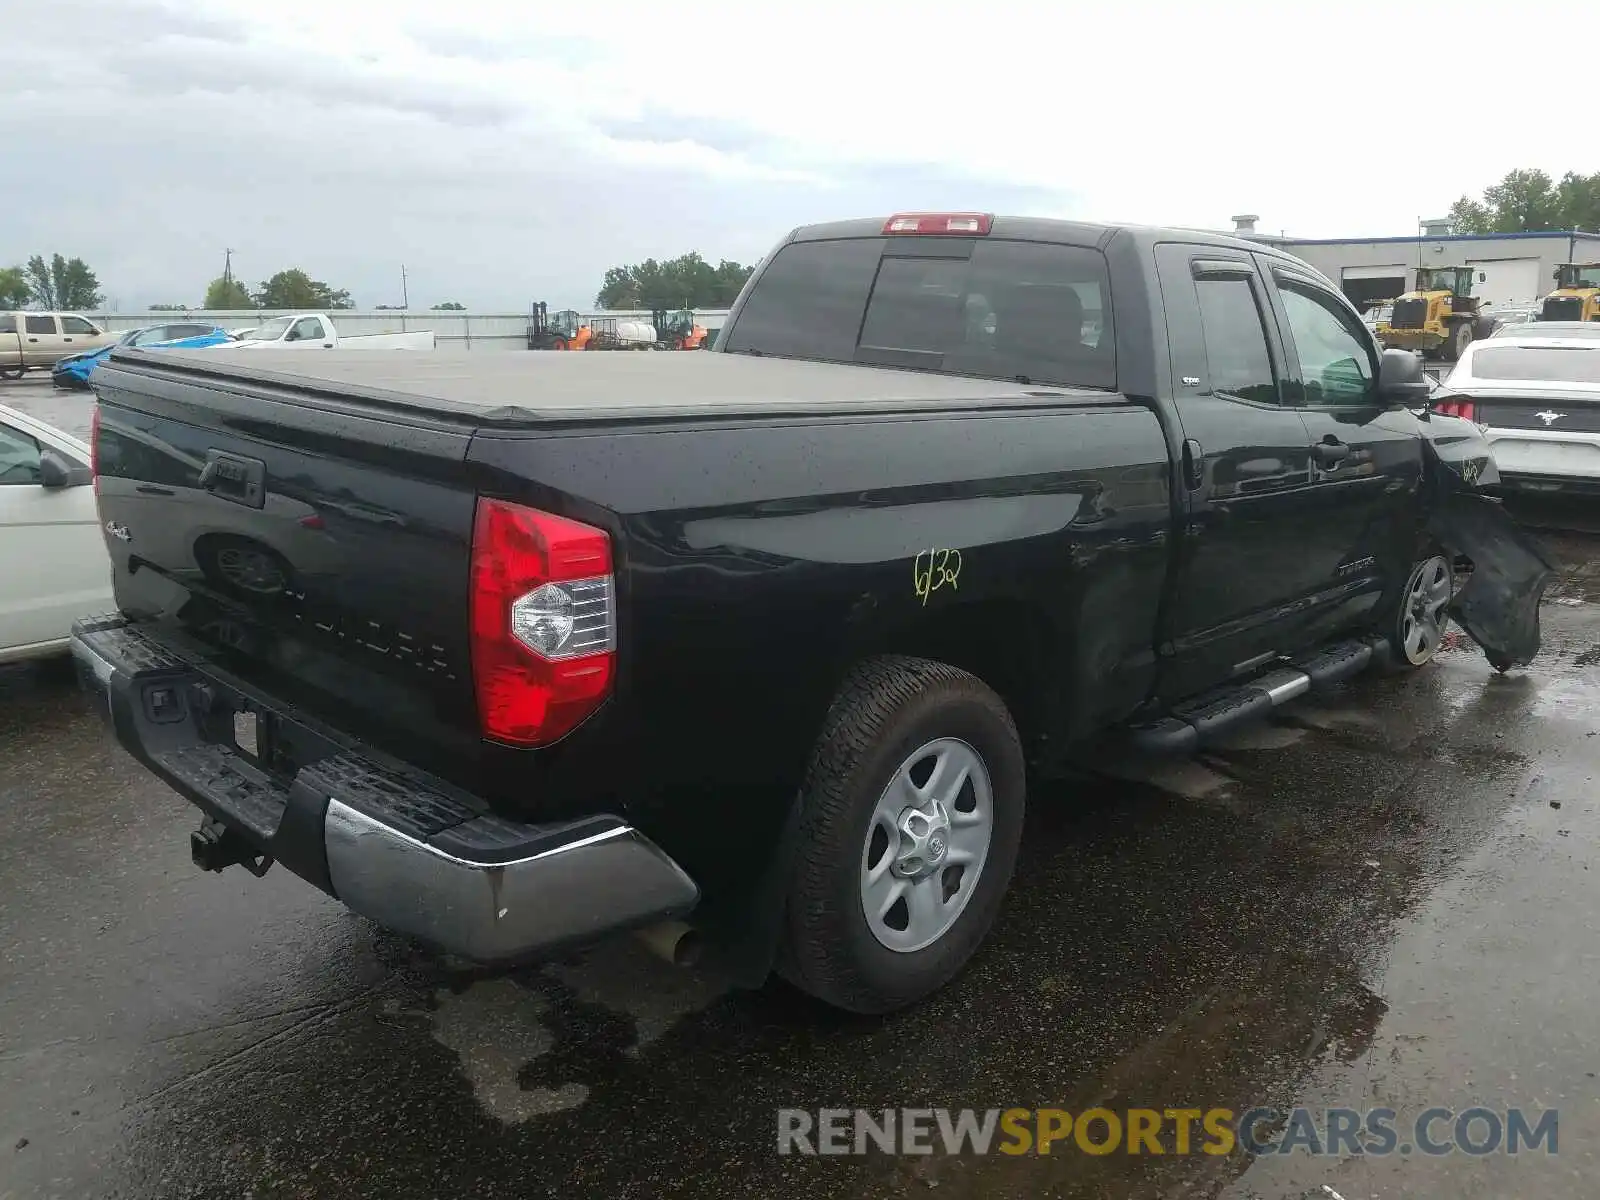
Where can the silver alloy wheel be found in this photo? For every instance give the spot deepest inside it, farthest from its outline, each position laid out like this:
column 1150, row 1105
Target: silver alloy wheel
column 926, row 845
column 1422, row 618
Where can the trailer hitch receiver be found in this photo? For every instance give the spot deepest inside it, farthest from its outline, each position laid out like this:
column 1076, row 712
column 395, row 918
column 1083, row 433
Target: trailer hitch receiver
column 215, row 847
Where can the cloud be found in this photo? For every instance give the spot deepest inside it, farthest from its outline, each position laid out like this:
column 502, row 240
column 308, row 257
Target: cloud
column 504, row 161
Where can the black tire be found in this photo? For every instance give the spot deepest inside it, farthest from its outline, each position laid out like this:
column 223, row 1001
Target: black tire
column 1460, row 336
column 885, row 711
column 12, row 372
column 560, row 343
column 1401, row 622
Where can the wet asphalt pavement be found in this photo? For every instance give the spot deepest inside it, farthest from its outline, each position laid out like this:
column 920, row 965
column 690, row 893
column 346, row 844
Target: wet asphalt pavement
column 1383, row 896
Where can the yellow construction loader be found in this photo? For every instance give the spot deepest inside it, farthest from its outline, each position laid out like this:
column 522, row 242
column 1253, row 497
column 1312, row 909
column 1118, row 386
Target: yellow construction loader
column 1577, row 294
column 1438, row 317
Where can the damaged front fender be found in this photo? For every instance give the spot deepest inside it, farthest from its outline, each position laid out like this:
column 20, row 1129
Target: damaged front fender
column 1499, row 604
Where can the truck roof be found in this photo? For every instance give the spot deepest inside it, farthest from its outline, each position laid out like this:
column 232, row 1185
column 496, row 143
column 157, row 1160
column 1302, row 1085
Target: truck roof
column 1052, row 230
column 539, row 388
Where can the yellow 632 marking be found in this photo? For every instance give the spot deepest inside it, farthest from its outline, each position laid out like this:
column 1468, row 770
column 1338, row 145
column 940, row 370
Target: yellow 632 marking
column 934, row 569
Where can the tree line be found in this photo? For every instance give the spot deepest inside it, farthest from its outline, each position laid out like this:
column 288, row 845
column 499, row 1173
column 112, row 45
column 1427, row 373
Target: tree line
column 688, row 281
column 1529, row 201
column 56, row 284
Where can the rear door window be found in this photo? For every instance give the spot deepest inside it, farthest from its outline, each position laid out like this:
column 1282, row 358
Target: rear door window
column 1236, row 339
column 8, row 323
column 37, row 324
column 1537, row 364
column 1031, row 312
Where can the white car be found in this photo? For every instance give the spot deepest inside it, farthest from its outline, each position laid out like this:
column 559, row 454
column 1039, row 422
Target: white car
column 53, row 562
column 1537, row 399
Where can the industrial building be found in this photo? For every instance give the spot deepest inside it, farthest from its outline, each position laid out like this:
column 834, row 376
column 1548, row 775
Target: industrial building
column 1510, row 268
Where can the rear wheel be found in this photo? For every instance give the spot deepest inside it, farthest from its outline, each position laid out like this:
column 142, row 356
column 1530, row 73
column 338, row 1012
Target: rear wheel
column 12, row 372
column 1416, row 628
column 911, row 818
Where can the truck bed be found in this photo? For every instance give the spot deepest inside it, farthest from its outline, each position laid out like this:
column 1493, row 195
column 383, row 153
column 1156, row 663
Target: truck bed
column 516, row 389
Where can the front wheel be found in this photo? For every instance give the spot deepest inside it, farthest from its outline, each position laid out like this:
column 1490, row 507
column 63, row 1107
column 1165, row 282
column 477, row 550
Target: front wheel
column 911, row 818
column 1459, row 338
column 1416, row 629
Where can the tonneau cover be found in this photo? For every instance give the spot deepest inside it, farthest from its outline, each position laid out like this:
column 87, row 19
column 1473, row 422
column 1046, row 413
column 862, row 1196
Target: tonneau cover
column 517, row 387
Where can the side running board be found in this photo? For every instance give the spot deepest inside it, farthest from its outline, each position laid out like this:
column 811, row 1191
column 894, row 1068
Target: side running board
column 1203, row 718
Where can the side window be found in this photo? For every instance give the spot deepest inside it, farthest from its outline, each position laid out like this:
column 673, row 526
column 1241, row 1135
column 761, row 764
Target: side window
column 19, row 457
column 77, row 325
column 1335, row 361
column 8, row 322
column 37, row 323
column 306, row 329
column 1236, row 339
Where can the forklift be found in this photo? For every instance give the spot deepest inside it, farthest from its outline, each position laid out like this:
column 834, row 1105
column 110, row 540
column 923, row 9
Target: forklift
column 563, row 330
column 1438, row 317
column 677, row 330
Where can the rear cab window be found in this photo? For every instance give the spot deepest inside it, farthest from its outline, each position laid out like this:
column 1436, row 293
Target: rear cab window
column 1537, row 364
column 1031, row 312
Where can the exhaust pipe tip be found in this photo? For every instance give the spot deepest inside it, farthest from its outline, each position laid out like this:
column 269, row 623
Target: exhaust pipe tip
column 673, row 942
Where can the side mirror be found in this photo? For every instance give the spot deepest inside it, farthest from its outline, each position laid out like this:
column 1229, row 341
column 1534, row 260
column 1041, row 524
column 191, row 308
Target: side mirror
column 56, row 471
column 1483, row 277
column 1400, row 379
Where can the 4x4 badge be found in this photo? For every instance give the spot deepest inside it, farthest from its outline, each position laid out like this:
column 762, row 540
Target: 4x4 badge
column 120, row 532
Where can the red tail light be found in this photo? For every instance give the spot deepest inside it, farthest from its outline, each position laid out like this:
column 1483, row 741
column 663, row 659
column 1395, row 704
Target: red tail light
column 1456, row 408
column 94, row 448
column 953, row 223
column 543, row 622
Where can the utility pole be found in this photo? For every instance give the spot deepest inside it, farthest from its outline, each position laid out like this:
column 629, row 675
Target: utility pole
column 227, row 265
column 405, row 298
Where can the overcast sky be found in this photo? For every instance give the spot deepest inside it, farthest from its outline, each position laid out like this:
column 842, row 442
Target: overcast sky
column 509, row 152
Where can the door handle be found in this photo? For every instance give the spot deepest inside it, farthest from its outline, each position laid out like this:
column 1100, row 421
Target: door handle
column 66, row 339
column 1194, row 465
column 33, row 339
column 1330, row 452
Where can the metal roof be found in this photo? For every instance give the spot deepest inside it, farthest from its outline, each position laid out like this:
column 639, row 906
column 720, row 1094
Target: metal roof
column 1282, row 240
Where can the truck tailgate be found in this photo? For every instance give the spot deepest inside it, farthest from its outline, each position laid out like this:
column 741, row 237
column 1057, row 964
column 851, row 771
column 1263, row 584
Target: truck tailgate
column 307, row 549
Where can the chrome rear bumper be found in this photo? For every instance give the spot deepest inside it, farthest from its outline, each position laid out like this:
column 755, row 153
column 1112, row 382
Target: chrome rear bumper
column 408, row 851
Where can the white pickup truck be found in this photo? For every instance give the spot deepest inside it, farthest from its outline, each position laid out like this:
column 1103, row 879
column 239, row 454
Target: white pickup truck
column 316, row 331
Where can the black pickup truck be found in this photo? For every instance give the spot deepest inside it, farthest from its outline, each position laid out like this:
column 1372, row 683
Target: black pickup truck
column 509, row 652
